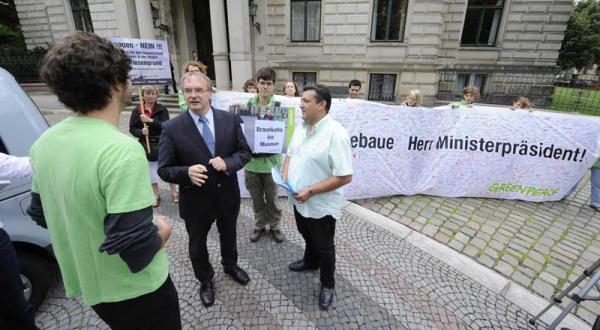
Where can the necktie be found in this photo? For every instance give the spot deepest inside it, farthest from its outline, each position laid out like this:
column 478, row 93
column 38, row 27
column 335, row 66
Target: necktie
column 207, row 135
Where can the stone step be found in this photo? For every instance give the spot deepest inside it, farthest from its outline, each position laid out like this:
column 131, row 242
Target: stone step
column 36, row 88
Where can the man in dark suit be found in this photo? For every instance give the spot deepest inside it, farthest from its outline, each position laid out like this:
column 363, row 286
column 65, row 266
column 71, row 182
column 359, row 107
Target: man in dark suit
column 202, row 150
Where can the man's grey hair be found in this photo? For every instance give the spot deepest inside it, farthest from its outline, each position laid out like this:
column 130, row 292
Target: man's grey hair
column 199, row 74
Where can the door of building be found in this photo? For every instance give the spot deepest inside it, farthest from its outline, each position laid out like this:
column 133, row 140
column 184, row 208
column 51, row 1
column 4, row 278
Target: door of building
column 204, row 35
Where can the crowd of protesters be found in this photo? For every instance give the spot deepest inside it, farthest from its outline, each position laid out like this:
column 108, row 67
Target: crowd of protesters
column 96, row 196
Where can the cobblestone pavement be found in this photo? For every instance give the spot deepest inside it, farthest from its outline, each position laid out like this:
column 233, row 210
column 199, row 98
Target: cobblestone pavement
column 381, row 282
column 542, row 246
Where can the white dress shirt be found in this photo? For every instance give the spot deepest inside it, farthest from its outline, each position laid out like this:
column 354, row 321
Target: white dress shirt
column 13, row 167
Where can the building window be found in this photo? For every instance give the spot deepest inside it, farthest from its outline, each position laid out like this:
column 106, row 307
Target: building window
column 389, row 19
column 467, row 79
column 303, row 79
column 481, row 23
column 382, row 87
column 306, row 20
column 81, row 15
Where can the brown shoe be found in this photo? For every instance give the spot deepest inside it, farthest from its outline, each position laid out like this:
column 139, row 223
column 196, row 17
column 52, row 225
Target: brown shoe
column 157, row 203
column 255, row 235
column 277, row 235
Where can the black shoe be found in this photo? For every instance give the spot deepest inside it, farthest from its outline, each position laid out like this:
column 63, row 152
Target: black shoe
column 325, row 298
column 300, row 266
column 238, row 275
column 207, row 293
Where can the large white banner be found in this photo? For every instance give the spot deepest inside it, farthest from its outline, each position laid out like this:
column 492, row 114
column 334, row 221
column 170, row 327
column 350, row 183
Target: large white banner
column 149, row 60
column 467, row 152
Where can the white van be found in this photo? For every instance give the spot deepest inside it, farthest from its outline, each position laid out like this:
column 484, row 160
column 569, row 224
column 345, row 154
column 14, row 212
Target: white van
column 21, row 123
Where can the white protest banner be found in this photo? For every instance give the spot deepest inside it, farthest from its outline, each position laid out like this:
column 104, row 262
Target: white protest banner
column 254, row 117
column 149, row 60
column 467, row 152
column 269, row 136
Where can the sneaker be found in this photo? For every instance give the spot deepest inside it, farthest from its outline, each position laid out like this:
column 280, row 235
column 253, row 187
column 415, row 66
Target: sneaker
column 255, row 235
column 277, row 235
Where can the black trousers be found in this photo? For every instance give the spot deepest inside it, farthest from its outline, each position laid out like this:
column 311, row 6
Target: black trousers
column 320, row 246
column 198, row 232
column 15, row 312
column 154, row 310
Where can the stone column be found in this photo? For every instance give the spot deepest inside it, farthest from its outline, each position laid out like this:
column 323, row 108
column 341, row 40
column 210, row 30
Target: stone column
column 239, row 42
column 219, row 43
column 144, row 18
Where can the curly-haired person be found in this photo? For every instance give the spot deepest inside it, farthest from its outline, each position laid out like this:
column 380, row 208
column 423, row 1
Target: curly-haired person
column 91, row 189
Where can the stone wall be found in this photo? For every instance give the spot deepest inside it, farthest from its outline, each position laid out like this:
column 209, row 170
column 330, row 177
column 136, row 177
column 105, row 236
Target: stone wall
column 43, row 22
column 530, row 33
column 104, row 18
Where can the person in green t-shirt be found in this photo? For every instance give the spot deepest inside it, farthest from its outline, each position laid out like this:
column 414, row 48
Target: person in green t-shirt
column 259, row 182
column 91, row 189
column 469, row 94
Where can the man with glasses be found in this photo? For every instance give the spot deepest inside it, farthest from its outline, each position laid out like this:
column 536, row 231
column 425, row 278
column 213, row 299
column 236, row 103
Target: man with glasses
column 202, row 150
column 259, row 182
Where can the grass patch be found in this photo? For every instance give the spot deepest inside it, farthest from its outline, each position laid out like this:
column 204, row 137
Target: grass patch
column 584, row 101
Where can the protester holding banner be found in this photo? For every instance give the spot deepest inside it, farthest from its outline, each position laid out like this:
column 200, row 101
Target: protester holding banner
column 469, row 94
column 354, row 89
column 259, row 182
column 521, row 102
column 413, row 99
column 318, row 164
column 189, row 67
column 147, row 120
column 595, row 183
column 290, row 89
column 250, row 86
column 91, row 189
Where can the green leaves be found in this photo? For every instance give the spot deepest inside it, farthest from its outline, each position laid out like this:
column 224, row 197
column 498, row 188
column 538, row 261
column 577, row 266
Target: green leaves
column 581, row 45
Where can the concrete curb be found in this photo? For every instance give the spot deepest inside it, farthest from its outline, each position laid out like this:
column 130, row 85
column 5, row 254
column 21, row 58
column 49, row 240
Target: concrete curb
column 488, row 278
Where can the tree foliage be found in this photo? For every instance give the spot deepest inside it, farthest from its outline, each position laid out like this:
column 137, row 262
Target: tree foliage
column 11, row 36
column 581, row 45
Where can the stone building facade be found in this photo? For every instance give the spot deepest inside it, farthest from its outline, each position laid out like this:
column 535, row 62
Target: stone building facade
column 506, row 47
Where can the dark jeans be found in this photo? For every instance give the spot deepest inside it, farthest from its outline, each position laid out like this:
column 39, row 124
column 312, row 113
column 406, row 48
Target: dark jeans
column 198, row 232
column 15, row 311
column 154, row 310
column 320, row 246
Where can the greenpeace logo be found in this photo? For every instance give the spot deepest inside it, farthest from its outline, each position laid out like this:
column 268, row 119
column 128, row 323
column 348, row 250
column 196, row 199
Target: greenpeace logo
column 521, row 189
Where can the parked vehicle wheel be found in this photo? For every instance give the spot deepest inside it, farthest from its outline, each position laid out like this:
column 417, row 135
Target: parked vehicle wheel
column 36, row 277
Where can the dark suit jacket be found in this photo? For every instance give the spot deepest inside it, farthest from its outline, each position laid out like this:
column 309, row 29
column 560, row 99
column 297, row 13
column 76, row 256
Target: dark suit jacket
column 182, row 146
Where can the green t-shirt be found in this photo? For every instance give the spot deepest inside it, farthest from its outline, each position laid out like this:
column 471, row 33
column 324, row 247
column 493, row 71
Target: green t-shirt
column 83, row 169
column 262, row 164
column 182, row 103
column 462, row 102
